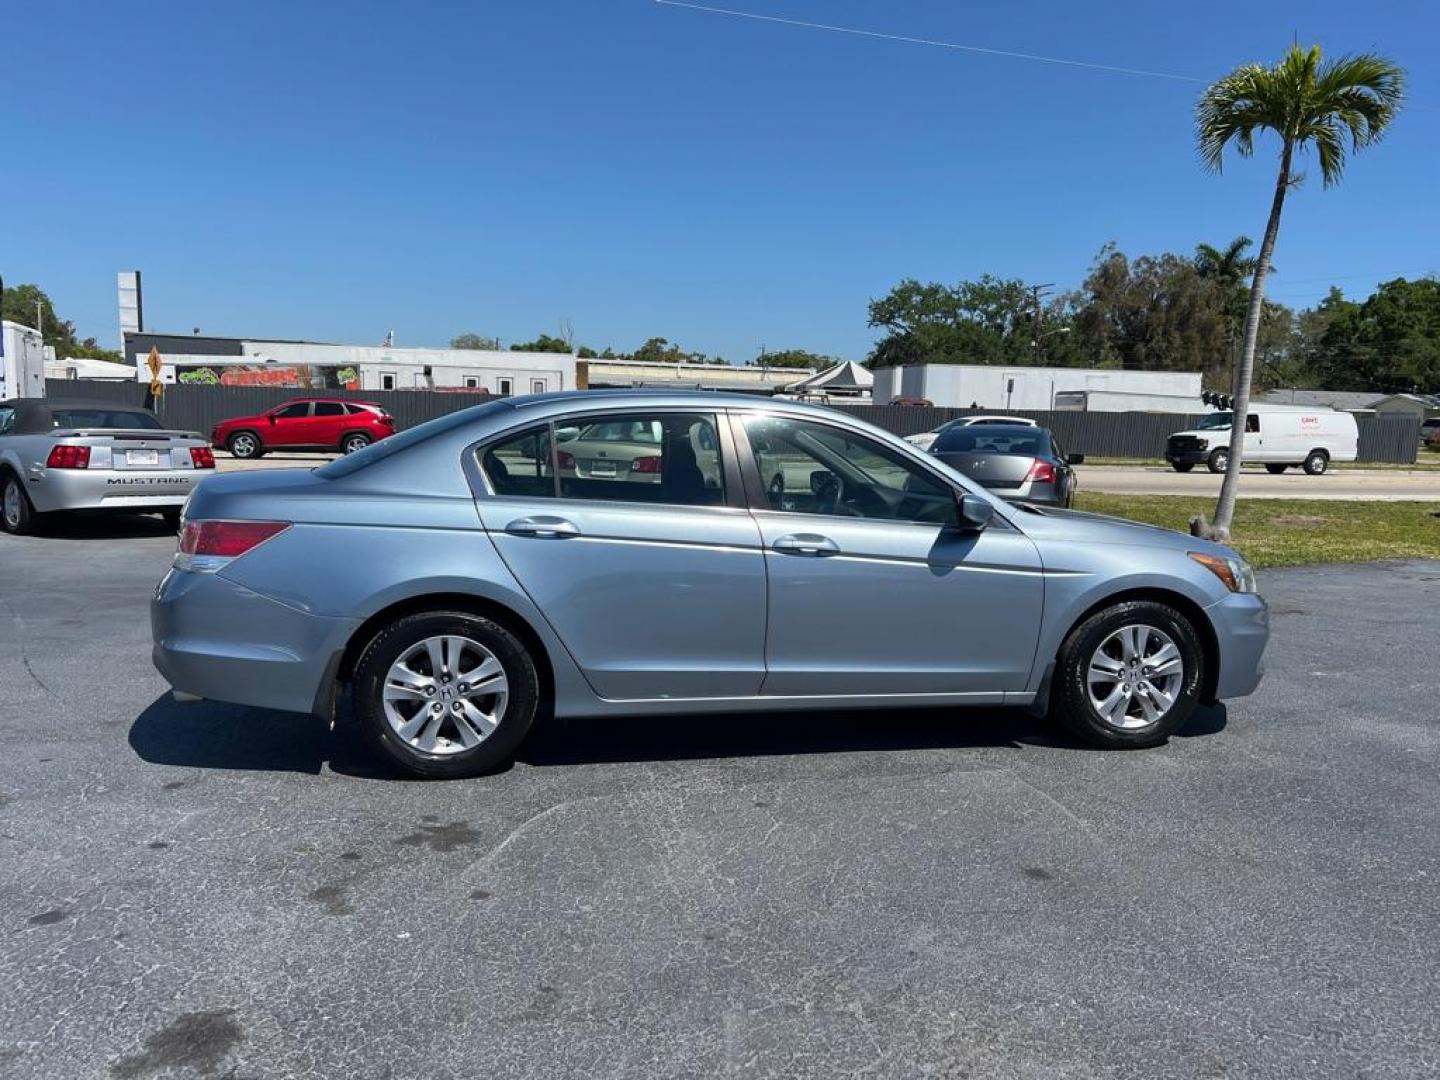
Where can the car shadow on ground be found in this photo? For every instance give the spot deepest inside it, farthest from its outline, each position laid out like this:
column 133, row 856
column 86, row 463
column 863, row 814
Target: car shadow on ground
column 209, row 735
column 81, row 526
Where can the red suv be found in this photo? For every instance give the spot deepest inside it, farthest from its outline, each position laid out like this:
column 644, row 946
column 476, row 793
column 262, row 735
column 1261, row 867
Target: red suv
column 308, row 423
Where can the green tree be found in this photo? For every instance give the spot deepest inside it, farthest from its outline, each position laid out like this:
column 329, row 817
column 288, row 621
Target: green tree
column 474, row 341
column 988, row 321
column 794, row 358
column 28, row 304
column 1309, row 104
column 543, row 343
column 1389, row 343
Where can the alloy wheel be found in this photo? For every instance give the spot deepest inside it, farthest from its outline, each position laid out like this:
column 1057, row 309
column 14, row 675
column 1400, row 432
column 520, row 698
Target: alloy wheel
column 445, row 695
column 355, row 442
column 12, row 504
column 1135, row 677
column 242, row 446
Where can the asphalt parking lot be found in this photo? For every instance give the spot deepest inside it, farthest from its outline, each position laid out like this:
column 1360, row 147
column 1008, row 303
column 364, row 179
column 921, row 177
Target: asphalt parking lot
column 207, row 890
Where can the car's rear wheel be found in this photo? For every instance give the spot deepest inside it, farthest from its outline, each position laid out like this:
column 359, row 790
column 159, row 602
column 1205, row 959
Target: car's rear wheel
column 1316, row 462
column 244, row 444
column 1182, row 466
column 17, row 512
column 446, row 694
column 1276, row 470
column 1129, row 675
column 1219, row 461
column 356, row 440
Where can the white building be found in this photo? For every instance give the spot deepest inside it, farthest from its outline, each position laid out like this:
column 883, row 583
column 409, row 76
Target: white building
column 315, row 365
column 962, row 386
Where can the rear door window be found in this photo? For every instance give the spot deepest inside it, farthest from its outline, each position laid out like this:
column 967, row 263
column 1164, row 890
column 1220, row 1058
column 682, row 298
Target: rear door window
column 521, row 466
column 329, row 408
column 655, row 458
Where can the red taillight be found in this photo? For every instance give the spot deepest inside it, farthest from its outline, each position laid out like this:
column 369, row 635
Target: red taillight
column 1041, row 472
column 564, row 460
column 386, row 419
column 205, row 544
column 68, row 457
column 650, row 464
column 202, row 457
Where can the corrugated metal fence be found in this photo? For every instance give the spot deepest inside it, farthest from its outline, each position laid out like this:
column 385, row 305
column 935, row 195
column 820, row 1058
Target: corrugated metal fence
column 1132, row 434
column 199, row 408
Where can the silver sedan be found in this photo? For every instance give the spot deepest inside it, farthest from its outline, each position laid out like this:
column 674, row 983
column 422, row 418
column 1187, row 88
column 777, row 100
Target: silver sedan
column 456, row 583
column 76, row 454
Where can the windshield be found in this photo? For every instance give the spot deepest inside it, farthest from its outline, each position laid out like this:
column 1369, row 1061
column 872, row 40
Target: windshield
column 1216, row 421
column 379, row 451
column 103, row 418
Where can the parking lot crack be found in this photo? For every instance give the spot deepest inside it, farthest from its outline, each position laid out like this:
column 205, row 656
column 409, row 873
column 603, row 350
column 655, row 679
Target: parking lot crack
column 20, row 635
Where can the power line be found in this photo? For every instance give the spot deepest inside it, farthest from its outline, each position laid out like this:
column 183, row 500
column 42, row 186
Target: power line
column 934, row 43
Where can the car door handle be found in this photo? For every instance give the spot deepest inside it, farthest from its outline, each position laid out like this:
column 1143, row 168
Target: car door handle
column 806, row 544
column 548, row 527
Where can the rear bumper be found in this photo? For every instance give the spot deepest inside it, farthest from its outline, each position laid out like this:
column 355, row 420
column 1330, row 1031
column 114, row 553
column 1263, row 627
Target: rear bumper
column 1242, row 629
column 111, row 489
column 216, row 639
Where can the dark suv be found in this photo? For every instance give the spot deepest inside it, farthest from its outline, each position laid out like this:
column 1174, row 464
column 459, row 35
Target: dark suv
column 305, row 423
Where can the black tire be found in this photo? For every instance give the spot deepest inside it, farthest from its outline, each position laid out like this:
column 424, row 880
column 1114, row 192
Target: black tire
column 1276, row 470
column 17, row 512
column 354, row 440
column 1182, row 466
column 245, row 445
column 1218, row 461
column 1316, row 462
column 1073, row 706
column 392, row 642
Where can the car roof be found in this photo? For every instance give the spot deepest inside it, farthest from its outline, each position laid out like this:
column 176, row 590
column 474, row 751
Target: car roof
column 560, row 400
column 33, row 416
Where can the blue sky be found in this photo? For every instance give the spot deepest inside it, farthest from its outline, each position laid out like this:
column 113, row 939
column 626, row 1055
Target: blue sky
column 334, row 170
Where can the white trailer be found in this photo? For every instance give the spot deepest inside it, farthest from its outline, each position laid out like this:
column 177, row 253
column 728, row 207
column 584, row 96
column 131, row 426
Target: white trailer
column 1001, row 388
column 1126, row 401
column 22, row 362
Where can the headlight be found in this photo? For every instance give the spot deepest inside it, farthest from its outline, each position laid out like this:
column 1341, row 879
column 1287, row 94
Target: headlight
column 1202, row 444
column 1234, row 571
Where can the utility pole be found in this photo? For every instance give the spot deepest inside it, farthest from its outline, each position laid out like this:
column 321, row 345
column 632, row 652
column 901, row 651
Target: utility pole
column 1036, row 293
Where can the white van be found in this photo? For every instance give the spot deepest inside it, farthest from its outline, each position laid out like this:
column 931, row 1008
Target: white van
column 1275, row 436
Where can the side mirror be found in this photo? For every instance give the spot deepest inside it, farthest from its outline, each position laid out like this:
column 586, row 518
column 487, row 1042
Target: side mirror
column 271, row 418
column 1074, row 459
column 973, row 513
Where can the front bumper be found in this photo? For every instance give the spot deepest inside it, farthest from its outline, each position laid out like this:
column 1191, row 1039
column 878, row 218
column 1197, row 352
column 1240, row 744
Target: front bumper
column 219, row 640
column 1187, row 457
column 1242, row 629
column 111, row 489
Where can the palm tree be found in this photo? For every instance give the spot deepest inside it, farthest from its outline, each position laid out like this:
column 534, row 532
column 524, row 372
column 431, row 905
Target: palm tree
column 1309, row 104
column 1228, row 268
column 1228, row 265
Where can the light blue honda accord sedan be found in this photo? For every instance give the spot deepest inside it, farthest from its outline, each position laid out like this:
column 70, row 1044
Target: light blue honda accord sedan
column 627, row 552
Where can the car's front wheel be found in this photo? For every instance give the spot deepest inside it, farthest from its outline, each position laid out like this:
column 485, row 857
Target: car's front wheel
column 17, row 513
column 1219, row 461
column 446, row 694
column 1182, row 466
column 244, row 444
column 1129, row 675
